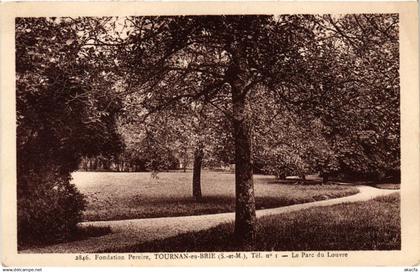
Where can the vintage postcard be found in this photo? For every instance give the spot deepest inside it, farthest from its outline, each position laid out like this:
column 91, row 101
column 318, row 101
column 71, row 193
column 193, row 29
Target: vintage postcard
column 209, row 134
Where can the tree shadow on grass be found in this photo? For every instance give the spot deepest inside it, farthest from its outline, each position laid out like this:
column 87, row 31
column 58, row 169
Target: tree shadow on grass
column 138, row 207
column 219, row 203
column 83, row 233
column 80, row 233
column 351, row 226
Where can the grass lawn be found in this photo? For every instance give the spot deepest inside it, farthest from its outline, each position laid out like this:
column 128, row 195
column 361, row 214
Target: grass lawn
column 369, row 225
column 113, row 196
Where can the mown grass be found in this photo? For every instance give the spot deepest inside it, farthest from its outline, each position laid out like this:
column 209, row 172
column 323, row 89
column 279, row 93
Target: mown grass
column 114, row 196
column 370, row 225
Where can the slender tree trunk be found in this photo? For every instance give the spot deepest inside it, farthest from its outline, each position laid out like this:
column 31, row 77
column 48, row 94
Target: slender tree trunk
column 282, row 176
column 106, row 164
column 184, row 163
column 324, row 178
column 198, row 160
column 380, row 176
column 245, row 218
column 95, row 164
column 83, row 164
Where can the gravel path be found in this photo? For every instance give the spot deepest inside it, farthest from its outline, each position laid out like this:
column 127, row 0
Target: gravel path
column 134, row 231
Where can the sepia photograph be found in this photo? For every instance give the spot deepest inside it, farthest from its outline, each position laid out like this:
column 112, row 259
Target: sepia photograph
column 178, row 134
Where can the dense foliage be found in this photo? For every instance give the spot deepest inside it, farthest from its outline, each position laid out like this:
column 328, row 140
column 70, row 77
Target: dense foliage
column 61, row 116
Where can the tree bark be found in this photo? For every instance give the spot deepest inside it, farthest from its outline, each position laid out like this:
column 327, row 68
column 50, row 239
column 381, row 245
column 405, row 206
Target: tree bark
column 198, row 160
column 324, row 178
column 95, row 164
column 245, row 218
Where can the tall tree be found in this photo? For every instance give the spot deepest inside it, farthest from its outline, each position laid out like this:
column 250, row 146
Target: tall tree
column 192, row 130
column 172, row 59
column 309, row 63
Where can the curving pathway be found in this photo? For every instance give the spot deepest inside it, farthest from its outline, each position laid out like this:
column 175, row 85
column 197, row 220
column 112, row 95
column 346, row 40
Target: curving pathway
column 134, row 231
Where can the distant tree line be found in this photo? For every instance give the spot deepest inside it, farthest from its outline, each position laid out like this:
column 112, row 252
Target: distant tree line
column 125, row 164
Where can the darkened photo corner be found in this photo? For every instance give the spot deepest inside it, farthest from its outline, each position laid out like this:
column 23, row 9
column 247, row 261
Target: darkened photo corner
column 208, row 133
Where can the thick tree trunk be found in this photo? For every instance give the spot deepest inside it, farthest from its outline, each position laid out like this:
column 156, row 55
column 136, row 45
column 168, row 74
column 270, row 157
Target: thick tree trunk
column 245, row 218
column 240, row 82
column 198, row 160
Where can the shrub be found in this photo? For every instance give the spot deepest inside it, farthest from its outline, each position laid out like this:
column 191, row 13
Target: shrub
column 49, row 208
